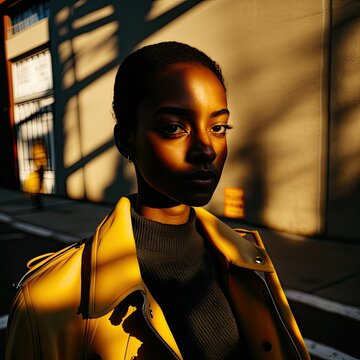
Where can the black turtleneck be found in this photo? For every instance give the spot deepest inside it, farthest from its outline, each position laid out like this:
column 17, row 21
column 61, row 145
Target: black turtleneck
column 180, row 273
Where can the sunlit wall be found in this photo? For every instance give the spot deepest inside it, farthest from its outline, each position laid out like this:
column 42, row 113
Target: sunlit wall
column 292, row 82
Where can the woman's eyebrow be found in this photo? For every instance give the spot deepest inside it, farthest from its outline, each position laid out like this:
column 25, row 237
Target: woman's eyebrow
column 220, row 112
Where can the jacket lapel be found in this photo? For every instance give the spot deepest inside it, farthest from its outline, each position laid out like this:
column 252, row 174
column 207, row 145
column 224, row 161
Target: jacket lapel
column 236, row 250
column 115, row 271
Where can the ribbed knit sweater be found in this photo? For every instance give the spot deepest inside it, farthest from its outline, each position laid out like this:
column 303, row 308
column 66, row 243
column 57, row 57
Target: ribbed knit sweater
column 180, row 272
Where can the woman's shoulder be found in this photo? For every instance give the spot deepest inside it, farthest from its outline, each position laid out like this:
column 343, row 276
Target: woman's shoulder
column 54, row 274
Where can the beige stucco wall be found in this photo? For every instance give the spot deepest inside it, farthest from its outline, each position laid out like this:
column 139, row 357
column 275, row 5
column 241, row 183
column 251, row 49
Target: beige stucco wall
column 274, row 56
column 20, row 44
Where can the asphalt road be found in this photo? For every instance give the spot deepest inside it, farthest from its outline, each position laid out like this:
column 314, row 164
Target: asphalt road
column 320, row 326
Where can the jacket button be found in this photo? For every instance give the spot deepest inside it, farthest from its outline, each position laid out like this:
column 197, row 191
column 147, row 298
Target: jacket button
column 259, row 260
column 266, row 345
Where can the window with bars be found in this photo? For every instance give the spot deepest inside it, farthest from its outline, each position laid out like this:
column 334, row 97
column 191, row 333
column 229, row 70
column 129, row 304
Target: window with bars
column 33, row 115
column 34, row 125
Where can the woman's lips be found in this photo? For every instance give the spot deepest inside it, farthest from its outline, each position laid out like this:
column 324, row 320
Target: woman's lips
column 202, row 178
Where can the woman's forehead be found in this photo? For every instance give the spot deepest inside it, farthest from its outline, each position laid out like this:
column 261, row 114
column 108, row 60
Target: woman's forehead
column 185, row 92
column 185, row 79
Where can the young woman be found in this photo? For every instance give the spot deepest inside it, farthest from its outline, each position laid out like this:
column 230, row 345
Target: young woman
column 161, row 278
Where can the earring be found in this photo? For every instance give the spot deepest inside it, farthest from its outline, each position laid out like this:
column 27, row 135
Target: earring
column 129, row 159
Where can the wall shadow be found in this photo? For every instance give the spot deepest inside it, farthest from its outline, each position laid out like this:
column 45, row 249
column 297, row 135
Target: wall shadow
column 70, row 20
column 340, row 177
column 344, row 151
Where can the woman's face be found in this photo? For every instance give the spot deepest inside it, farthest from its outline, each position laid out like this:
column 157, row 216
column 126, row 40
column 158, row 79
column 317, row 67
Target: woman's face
column 180, row 142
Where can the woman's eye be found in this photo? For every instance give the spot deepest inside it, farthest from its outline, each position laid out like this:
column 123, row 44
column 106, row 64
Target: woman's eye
column 220, row 129
column 173, row 129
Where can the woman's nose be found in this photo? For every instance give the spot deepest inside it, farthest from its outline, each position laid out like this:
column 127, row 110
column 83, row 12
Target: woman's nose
column 201, row 149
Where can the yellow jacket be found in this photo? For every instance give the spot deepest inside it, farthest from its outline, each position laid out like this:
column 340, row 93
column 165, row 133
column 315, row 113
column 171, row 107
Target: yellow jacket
column 88, row 301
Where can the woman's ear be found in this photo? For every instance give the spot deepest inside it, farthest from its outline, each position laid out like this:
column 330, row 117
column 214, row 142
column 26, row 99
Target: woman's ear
column 124, row 141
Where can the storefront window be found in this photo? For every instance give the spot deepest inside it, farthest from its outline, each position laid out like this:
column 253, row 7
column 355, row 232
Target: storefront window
column 33, row 114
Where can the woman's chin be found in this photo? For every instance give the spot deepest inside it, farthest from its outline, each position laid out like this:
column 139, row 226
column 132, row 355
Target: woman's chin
column 198, row 200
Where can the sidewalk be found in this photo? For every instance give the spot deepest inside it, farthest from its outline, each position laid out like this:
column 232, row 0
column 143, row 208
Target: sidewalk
column 319, row 267
column 68, row 220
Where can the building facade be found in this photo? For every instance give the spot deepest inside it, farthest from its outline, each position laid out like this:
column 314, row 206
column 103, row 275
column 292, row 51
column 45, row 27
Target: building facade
column 30, row 78
column 293, row 85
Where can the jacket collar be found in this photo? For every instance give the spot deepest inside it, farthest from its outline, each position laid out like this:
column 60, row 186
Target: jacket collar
column 115, row 272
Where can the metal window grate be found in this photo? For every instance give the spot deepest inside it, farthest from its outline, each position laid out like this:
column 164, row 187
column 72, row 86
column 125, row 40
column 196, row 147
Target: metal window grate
column 36, row 128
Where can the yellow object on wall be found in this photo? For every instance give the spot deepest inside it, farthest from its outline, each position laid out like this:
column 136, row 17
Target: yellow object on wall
column 234, row 203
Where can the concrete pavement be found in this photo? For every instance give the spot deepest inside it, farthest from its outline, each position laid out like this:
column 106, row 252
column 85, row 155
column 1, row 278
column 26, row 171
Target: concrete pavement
column 69, row 219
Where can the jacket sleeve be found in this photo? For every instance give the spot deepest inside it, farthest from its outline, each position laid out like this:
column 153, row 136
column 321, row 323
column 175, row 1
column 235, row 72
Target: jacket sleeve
column 20, row 342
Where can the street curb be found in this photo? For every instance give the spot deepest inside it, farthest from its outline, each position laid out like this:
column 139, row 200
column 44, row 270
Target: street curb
column 39, row 230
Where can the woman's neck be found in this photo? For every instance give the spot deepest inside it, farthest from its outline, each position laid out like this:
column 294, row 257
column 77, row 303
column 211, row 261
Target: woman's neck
column 162, row 210
column 176, row 215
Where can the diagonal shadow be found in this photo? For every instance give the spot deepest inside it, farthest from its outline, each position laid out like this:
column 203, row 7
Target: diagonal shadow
column 133, row 26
